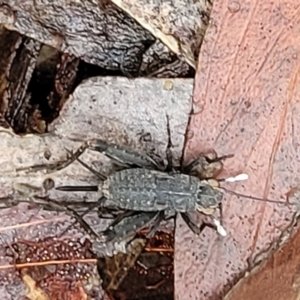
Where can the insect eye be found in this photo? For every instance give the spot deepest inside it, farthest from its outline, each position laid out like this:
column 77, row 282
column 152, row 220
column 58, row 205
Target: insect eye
column 200, row 195
column 205, row 190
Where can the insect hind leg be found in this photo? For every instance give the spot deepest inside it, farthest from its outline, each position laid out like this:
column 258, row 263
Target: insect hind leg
column 128, row 225
column 169, row 154
column 121, row 156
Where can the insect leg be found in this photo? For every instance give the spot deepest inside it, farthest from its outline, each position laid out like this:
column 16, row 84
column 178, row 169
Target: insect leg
column 102, row 213
column 121, row 156
column 72, row 213
column 59, row 165
column 191, row 224
column 197, row 230
column 128, row 226
column 108, row 213
column 30, row 194
column 205, row 166
column 96, row 173
column 119, row 217
column 169, row 167
column 51, row 204
column 83, row 188
column 79, row 218
column 156, row 221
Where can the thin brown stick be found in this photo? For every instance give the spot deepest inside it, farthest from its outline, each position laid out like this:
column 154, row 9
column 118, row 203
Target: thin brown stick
column 34, row 223
column 50, row 262
column 150, row 249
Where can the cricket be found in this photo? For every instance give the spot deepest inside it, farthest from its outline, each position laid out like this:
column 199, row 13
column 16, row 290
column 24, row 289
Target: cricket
column 144, row 193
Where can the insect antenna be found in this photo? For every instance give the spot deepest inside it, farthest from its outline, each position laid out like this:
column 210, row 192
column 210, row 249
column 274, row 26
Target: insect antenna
column 241, row 177
column 99, row 175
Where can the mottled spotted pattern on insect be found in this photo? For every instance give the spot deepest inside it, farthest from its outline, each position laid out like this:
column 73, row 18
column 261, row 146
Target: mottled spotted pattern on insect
column 149, row 190
column 143, row 191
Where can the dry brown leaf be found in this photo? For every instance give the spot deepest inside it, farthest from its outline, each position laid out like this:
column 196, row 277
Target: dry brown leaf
column 179, row 24
column 34, row 293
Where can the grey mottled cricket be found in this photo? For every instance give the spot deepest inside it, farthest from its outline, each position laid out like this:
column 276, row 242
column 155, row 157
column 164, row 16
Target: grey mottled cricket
column 147, row 193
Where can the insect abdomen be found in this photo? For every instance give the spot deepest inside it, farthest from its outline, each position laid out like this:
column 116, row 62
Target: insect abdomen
column 147, row 190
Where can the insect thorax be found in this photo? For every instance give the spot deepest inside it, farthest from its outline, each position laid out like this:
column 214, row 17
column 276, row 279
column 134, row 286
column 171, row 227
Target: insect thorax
column 208, row 196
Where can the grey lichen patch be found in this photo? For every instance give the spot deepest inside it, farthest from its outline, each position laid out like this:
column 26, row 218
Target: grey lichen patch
column 129, row 112
column 126, row 112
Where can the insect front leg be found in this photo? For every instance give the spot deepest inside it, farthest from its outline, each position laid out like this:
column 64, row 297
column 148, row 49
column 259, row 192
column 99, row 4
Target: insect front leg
column 196, row 229
column 190, row 223
column 206, row 166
